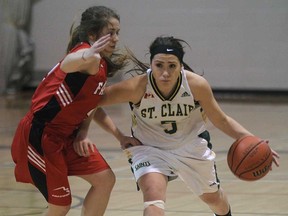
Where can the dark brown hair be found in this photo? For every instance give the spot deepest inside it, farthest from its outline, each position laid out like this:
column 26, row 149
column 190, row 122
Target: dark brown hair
column 167, row 41
column 93, row 20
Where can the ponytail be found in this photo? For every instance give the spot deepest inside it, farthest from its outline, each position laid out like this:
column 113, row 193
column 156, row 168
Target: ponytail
column 74, row 38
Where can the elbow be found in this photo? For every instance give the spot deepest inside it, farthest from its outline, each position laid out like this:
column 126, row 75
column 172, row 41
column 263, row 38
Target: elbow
column 65, row 66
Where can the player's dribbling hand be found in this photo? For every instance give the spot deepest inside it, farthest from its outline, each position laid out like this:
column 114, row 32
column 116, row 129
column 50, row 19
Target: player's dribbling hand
column 275, row 155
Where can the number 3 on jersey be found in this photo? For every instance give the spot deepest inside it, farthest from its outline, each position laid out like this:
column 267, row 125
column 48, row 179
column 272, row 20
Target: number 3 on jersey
column 170, row 126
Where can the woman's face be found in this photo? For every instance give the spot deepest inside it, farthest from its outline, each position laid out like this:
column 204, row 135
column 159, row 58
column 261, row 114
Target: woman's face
column 113, row 29
column 166, row 69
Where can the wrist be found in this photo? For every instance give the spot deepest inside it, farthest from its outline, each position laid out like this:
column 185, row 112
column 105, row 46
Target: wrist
column 82, row 133
column 119, row 135
column 83, row 57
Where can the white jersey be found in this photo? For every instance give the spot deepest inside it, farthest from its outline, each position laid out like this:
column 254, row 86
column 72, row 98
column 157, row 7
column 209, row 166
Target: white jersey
column 167, row 123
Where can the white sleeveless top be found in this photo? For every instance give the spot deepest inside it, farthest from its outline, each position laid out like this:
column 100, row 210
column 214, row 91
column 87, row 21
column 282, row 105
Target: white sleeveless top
column 167, row 123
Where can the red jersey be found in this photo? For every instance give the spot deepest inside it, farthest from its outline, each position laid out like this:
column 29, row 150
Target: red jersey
column 62, row 100
column 42, row 147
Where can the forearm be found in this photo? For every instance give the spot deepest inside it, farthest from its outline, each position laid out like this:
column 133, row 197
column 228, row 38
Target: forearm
column 79, row 61
column 83, row 129
column 73, row 61
column 105, row 122
column 232, row 128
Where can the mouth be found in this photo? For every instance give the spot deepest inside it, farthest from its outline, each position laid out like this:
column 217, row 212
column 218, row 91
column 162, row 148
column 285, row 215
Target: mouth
column 110, row 49
column 164, row 80
column 113, row 46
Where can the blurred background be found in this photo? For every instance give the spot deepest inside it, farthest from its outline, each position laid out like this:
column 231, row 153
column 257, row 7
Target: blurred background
column 242, row 46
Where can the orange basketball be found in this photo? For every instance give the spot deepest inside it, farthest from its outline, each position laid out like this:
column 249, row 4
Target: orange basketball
column 250, row 158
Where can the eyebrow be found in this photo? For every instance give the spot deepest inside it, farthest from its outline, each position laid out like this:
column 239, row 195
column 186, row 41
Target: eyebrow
column 160, row 61
column 113, row 29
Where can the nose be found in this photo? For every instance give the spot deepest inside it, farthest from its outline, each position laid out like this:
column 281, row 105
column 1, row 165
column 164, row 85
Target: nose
column 115, row 37
column 165, row 73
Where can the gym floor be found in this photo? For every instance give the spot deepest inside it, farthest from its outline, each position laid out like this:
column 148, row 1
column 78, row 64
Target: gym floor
column 267, row 119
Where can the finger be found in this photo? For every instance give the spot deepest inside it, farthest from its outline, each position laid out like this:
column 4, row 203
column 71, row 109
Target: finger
column 86, row 150
column 102, row 41
column 276, row 162
column 136, row 141
column 101, row 47
column 105, row 36
column 83, row 149
column 275, row 154
column 76, row 149
column 126, row 145
column 92, row 147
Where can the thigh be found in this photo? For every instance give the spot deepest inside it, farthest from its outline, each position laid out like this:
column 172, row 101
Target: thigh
column 79, row 165
column 100, row 179
column 199, row 175
column 54, row 184
column 146, row 159
column 20, row 153
column 40, row 161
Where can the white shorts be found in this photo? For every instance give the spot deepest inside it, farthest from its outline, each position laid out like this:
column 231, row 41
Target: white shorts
column 194, row 163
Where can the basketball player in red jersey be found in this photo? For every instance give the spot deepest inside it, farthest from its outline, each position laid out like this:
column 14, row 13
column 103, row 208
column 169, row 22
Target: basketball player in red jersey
column 51, row 141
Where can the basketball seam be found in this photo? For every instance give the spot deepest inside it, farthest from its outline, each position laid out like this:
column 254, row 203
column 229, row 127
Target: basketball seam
column 247, row 155
column 257, row 166
column 232, row 161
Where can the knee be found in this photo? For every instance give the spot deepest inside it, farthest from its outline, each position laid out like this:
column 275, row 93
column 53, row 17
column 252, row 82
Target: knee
column 153, row 193
column 54, row 210
column 66, row 209
column 111, row 179
column 104, row 179
column 153, row 186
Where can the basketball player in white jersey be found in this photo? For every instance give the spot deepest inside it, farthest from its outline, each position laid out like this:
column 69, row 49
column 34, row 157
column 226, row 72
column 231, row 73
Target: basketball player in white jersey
column 170, row 105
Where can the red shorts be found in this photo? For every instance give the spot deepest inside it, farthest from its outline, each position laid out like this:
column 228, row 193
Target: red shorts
column 46, row 159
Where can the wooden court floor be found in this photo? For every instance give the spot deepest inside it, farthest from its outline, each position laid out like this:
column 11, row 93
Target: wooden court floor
column 268, row 196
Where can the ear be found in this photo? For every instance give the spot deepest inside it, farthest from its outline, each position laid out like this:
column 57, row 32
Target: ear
column 92, row 37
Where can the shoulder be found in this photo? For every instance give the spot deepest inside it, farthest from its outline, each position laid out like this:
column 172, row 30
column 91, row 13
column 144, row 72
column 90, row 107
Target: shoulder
column 195, row 80
column 80, row 46
column 199, row 86
column 141, row 80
